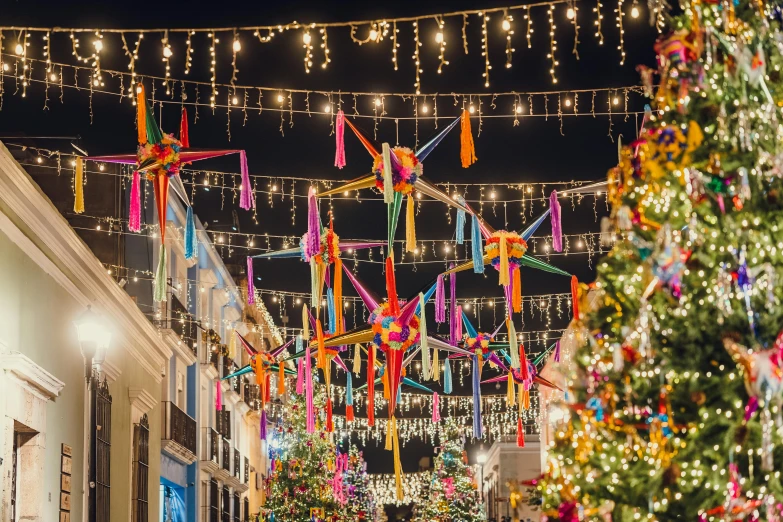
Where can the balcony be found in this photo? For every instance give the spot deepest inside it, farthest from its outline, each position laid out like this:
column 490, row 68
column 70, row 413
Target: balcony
column 251, row 396
column 210, row 452
column 224, row 471
column 237, row 464
column 247, row 471
column 179, row 433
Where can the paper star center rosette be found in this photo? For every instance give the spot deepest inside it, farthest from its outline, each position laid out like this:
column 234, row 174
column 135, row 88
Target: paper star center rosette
column 164, row 155
column 389, row 333
column 505, row 244
column 480, row 343
column 404, row 175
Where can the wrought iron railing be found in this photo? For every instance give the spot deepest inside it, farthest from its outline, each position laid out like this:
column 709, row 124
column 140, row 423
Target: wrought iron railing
column 100, row 471
column 214, row 501
column 225, row 462
column 247, row 470
column 211, row 446
column 237, row 463
column 179, row 427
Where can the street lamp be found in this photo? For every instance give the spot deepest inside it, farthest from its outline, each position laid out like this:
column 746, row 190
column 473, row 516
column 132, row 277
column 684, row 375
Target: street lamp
column 94, row 339
column 481, row 459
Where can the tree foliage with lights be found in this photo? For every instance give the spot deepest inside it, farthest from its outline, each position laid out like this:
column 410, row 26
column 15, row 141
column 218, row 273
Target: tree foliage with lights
column 452, row 495
column 303, row 465
column 675, row 367
column 355, row 496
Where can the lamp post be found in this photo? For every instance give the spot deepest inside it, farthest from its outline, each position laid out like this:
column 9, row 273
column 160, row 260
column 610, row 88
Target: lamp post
column 94, row 339
column 481, row 459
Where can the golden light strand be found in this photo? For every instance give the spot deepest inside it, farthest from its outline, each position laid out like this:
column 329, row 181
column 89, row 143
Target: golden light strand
column 395, row 45
column 440, row 38
column 189, row 52
column 529, row 31
column 598, row 17
column 485, row 48
column 416, row 56
column 552, row 43
column 325, row 47
column 167, row 52
column 506, row 24
column 213, row 69
column 573, row 11
column 307, row 44
column 621, row 47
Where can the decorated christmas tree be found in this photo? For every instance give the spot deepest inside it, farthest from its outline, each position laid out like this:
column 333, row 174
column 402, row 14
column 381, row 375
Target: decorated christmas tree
column 452, row 495
column 354, row 493
column 675, row 368
column 301, row 482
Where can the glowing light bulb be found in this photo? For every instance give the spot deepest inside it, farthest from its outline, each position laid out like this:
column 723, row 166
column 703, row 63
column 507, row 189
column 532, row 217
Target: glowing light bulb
column 53, row 77
column 167, row 52
column 377, row 102
column 634, row 12
column 570, row 14
column 139, row 89
column 101, row 167
column 327, row 108
column 39, row 159
column 506, row 24
column 234, row 100
column 425, row 109
column 615, row 100
column 98, row 44
column 373, row 34
column 493, row 195
column 471, row 109
column 237, row 45
column 567, row 102
column 274, row 188
column 346, row 193
column 306, row 38
column 439, row 37
column 19, row 49
column 280, row 98
column 5, row 66
column 518, row 109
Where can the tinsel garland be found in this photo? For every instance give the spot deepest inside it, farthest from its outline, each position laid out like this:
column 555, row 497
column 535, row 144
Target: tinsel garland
column 447, row 377
column 388, row 182
column 426, row 368
column 246, row 198
column 134, row 210
column 184, row 135
column 454, row 333
column 478, row 431
column 477, row 246
column 467, row 151
column 557, row 227
column 191, row 239
column 435, row 407
column 440, row 301
column 312, row 246
column 460, row 232
column 159, row 283
column 357, row 359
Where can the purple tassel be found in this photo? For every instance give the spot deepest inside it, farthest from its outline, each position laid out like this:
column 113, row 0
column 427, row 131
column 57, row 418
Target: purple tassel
column 263, row 425
column 557, row 352
column 300, row 377
column 478, row 430
column 246, row 199
column 453, row 315
column 313, row 244
column 251, row 289
column 557, row 227
column 750, row 408
column 440, row 301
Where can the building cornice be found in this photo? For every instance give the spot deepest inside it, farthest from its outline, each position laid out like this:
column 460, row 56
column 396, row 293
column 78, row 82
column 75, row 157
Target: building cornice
column 35, row 378
column 141, row 399
column 30, row 219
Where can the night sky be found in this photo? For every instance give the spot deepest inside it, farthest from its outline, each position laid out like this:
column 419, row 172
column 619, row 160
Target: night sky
column 534, row 151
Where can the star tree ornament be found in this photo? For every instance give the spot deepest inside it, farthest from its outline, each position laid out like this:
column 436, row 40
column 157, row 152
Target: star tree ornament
column 160, row 156
column 763, row 374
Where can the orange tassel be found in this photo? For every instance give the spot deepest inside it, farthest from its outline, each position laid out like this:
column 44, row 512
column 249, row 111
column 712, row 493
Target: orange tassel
column 391, row 286
column 516, row 295
column 321, row 358
column 329, row 423
column 467, row 152
column 281, row 379
column 385, row 380
column 575, row 296
column 141, row 113
column 520, row 434
column 184, row 137
column 338, row 296
column 526, row 399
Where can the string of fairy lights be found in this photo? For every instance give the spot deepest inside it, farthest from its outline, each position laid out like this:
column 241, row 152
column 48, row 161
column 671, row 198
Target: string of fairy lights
column 181, row 43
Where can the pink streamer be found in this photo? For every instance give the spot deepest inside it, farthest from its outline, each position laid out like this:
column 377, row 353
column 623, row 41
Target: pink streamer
column 440, row 301
column 557, row 352
column 300, row 377
column 246, row 199
column 313, row 242
column 309, row 393
column 435, row 407
column 134, row 218
column 218, row 396
column 557, row 227
column 339, row 132
column 453, row 314
column 251, row 289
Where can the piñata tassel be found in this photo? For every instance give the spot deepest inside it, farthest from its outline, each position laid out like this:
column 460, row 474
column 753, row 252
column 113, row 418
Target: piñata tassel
column 557, row 351
column 575, row 296
column 267, row 388
column 477, row 246
column 184, row 136
column 435, row 365
column 523, row 362
column 503, row 269
column 467, row 151
column 246, row 198
column 516, row 290
column 371, row 386
column 280, row 379
column 315, row 284
column 78, row 186
column 511, row 396
column 397, row 463
column 526, row 398
column 338, row 296
column 329, row 420
column 520, row 433
column 521, row 394
column 426, row 366
column 348, row 398
column 262, row 426
column 330, row 311
column 447, row 377
column 440, row 301
column 512, row 344
column 388, row 444
column 191, row 240
column 141, row 113
column 134, row 212
column 300, row 377
column 385, row 382
column 399, row 395
column 305, row 327
column 435, row 407
column 388, row 182
column 313, row 243
column 339, row 137
column 460, row 233
column 357, row 359
column 478, row 430
column 218, row 396
column 410, row 226
column 454, row 315
column 251, row 288
column 557, row 226
column 309, row 392
column 159, row 285
column 391, row 286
